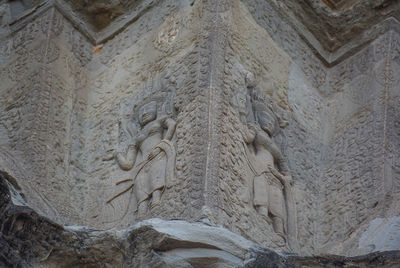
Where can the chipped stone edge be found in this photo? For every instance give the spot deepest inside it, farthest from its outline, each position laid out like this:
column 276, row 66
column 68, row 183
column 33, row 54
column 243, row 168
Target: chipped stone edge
column 329, row 59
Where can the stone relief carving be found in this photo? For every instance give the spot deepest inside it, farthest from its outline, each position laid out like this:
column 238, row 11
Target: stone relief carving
column 149, row 152
column 272, row 182
column 353, row 190
column 352, row 170
column 290, row 41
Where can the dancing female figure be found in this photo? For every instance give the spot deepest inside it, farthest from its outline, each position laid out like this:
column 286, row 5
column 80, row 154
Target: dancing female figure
column 151, row 158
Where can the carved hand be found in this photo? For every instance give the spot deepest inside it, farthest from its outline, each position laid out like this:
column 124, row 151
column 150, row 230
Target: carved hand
column 153, row 153
column 252, row 127
column 134, row 143
column 250, row 133
column 116, row 153
column 126, row 160
column 287, row 178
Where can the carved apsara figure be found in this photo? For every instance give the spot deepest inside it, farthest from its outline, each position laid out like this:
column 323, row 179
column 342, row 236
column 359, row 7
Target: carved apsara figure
column 150, row 156
column 271, row 176
column 272, row 180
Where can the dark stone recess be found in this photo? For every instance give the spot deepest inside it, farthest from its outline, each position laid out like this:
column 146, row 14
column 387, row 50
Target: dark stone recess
column 269, row 259
column 334, row 23
column 29, row 240
column 100, row 13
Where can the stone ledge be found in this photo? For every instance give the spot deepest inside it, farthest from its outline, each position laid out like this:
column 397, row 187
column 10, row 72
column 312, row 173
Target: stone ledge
column 30, row 240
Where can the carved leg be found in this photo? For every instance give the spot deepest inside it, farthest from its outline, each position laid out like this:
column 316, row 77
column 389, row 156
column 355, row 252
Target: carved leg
column 278, row 225
column 263, row 211
column 156, row 198
column 142, row 209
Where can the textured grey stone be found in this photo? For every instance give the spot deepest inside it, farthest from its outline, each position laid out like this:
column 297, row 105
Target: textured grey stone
column 275, row 120
column 30, row 240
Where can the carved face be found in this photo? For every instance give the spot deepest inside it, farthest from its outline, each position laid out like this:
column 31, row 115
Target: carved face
column 267, row 121
column 242, row 101
column 250, row 80
column 148, row 113
column 242, row 106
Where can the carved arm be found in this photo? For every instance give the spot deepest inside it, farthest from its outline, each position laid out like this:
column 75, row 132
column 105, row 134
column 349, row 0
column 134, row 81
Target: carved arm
column 264, row 139
column 126, row 161
column 170, row 125
column 284, row 177
column 249, row 134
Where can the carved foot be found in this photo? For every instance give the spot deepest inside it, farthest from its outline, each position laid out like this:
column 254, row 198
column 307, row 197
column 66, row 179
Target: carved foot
column 263, row 211
column 277, row 223
column 281, row 240
column 142, row 209
column 156, row 198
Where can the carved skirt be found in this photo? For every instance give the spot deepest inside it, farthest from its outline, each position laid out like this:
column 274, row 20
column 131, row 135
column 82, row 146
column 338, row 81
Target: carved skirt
column 268, row 192
column 150, row 177
column 276, row 201
column 261, row 190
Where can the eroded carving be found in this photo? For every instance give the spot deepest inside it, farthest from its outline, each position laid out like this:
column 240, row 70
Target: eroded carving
column 150, row 154
column 272, row 182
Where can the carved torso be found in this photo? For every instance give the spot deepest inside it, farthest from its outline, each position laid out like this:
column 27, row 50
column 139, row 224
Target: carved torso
column 151, row 135
column 264, row 153
column 263, row 148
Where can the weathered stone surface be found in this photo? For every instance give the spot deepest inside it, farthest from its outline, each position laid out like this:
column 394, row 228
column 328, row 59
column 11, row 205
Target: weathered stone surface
column 30, row 240
column 278, row 121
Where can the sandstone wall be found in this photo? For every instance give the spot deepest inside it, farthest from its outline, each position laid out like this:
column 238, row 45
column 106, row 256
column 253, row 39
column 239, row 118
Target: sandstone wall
column 71, row 90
